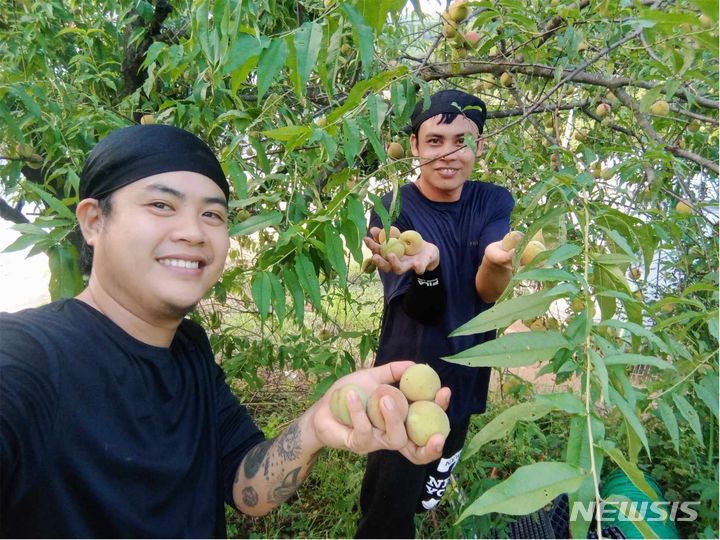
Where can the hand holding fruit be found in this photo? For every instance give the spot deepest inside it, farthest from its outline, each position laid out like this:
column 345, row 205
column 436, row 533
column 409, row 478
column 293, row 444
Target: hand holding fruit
column 402, row 251
column 340, row 419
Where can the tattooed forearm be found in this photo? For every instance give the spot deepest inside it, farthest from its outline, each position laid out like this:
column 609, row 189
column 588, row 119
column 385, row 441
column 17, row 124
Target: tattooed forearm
column 289, row 485
column 249, row 496
column 288, row 443
column 255, row 457
column 272, row 471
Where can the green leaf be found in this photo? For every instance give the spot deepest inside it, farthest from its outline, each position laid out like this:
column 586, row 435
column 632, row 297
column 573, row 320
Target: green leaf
column 288, row 133
column 545, row 274
column 278, row 297
column 351, row 140
column 262, row 293
column 270, row 64
column 631, row 470
column 638, row 331
column 707, row 391
column 689, row 413
column 308, row 279
column 668, row 418
column 57, row 206
column 630, row 514
column 256, row 223
column 564, row 401
column 307, row 40
column 293, row 285
column 358, row 91
column 335, row 252
column 244, row 48
column 512, row 350
column 504, row 422
column 626, row 359
column 528, row 489
column 363, row 37
column 65, row 277
column 578, row 454
column 630, row 416
column 507, row 312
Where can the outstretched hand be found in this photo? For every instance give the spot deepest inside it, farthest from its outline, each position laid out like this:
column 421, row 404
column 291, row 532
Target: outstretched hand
column 495, row 254
column 427, row 258
column 362, row 437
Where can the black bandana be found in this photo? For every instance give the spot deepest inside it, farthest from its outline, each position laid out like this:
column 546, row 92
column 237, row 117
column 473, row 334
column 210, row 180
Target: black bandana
column 136, row 152
column 450, row 102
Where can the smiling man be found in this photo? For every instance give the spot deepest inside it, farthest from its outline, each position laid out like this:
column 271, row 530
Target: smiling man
column 459, row 273
column 115, row 420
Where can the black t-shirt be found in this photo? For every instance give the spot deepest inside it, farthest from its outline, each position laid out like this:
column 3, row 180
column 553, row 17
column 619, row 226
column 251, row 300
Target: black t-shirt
column 102, row 435
column 461, row 230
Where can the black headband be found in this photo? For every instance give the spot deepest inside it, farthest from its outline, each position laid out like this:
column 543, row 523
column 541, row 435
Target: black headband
column 450, row 102
column 130, row 154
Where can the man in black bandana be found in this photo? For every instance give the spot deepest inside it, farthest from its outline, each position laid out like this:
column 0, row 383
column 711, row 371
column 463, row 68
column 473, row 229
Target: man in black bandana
column 460, row 272
column 115, row 420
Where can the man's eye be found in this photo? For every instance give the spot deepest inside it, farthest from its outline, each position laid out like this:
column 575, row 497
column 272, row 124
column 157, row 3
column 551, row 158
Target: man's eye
column 161, row 206
column 215, row 215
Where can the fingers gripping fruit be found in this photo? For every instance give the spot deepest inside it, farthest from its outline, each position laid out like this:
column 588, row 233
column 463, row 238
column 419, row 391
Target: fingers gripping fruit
column 393, row 245
column 373, row 405
column 420, row 382
column 339, row 403
column 425, row 418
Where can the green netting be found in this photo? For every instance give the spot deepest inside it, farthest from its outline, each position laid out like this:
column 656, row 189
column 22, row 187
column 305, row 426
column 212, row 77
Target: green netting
column 618, row 486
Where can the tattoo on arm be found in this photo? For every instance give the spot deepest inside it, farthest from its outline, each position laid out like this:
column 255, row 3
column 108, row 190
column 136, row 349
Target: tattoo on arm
column 288, row 443
column 249, row 496
column 254, row 458
column 289, row 485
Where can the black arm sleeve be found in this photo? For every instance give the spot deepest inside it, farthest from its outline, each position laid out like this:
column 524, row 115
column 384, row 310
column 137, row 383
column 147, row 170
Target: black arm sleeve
column 426, row 298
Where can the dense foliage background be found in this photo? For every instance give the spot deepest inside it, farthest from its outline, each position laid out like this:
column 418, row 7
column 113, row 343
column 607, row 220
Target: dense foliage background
column 300, row 99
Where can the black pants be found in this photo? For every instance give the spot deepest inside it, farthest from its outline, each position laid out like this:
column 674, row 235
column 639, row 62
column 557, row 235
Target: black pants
column 394, row 489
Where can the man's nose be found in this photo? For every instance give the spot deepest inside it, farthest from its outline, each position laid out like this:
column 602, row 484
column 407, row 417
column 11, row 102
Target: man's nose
column 189, row 228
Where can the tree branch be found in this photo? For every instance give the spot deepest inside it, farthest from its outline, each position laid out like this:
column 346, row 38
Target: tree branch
column 133, row 73
column 11, row 214
column 644, row 123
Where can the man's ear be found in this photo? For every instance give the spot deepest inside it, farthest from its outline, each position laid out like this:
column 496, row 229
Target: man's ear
column 90, row 218
column 480, row 146
column 414, row 145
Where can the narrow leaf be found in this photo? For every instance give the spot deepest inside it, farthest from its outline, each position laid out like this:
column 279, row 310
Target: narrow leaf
column 631, row 470
column 261, row 293
column 504, row 422
column 632, row 419
column 270, row 64
column 689, row 413
column 637, row 360
column 668, row 417
column 512, row 350
column 528, row 489
column 256, row 223
column 505, row 313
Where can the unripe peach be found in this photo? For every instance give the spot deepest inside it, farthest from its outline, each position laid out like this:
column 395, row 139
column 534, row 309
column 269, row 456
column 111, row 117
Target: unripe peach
column 506, row 79
column 396, row 151
column 420, row 382
column 394, row 233
column 147, row 119
column 413, row 242
column 660, row 108
column 393, row 245
column 683, row 208
column 425, row 418
column 603, row 110
column 531, row 251
column 511, row 240
column 339, row 404
column 373, row 406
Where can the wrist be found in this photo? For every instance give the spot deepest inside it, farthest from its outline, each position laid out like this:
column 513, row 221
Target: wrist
column 310, row 440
